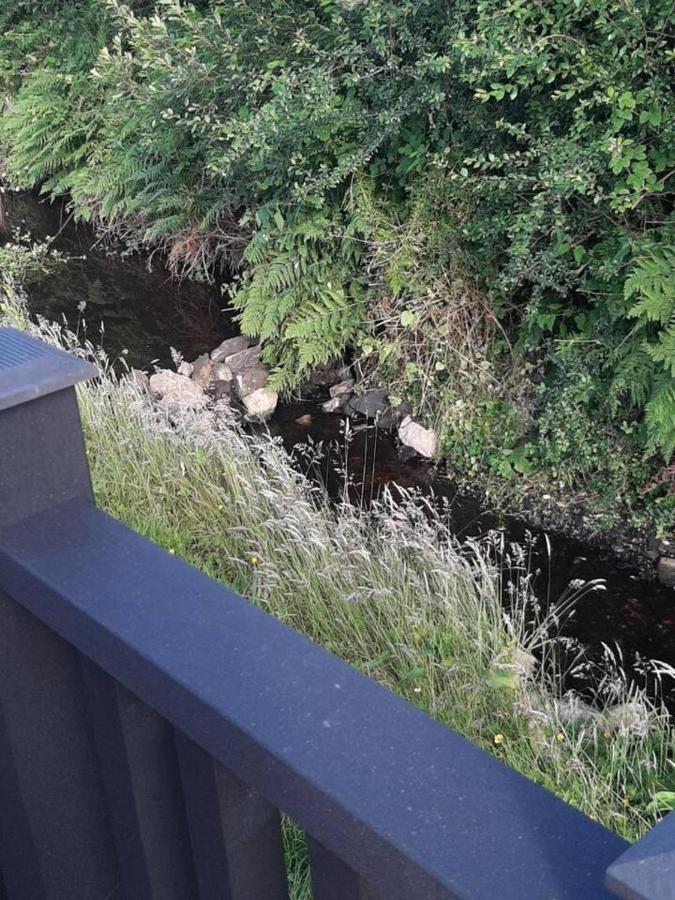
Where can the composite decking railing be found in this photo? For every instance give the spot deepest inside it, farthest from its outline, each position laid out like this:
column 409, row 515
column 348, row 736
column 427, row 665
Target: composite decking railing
column 153, row 725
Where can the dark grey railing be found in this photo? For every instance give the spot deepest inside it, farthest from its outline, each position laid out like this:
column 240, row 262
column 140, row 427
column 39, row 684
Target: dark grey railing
column 153, row 724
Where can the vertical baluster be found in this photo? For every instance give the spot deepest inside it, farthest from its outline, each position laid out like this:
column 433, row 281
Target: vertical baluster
column 140, row 772
column 235, row 833
column 55, row 839
column 333, row 879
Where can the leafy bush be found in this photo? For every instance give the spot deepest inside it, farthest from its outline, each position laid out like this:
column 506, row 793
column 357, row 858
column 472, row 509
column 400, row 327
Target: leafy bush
column 443, row 187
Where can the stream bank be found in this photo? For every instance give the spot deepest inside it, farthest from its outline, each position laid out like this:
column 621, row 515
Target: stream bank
column 143, row 314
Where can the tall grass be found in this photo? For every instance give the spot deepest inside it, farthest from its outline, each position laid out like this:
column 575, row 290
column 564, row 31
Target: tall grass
column 388, row 590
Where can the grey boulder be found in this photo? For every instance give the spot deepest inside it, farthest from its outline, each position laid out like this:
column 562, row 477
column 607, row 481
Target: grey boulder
column 261, row 403
column 424, row 441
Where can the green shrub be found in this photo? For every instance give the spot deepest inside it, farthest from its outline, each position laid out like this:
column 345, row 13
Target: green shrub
column 426, row 182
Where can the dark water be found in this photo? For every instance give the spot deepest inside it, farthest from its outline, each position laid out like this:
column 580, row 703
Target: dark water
column 129, row 309
column 634, row 617
column 144, row 313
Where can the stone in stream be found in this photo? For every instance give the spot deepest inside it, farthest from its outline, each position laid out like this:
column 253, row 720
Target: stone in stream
column 335, row 404
column 243, row 359
column 373, row 405
column 423, row 441
column 229, row 347
column 250, row 380
column 666, row 571
column 261, row 403
column 176, row 392
column 202, row 369
column 185, row 368
column 221, row 372
column 370, row 404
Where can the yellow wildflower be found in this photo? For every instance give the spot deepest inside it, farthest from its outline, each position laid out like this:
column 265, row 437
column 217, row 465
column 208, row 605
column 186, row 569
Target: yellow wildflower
column 499, row 739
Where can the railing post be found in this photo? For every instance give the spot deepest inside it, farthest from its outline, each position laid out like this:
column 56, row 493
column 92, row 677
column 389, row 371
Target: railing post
column 42, row 457
column 646, row 871
column 55, row 836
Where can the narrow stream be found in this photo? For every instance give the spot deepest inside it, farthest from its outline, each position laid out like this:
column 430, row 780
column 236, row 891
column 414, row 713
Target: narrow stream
column 141, row 314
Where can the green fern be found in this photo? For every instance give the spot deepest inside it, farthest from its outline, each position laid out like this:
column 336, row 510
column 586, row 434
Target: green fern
column 302, row 298
column 651, row 287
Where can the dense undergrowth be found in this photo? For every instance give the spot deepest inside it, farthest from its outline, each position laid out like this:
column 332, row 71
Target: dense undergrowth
column 473, row 197
column 389, row 590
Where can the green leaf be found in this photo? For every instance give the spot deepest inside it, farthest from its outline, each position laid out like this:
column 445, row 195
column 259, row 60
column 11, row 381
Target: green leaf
column 662, row 801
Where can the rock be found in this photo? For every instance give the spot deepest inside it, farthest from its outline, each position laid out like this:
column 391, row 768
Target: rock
column 342, row 388
column 250, row 380
column 261, row 403
column 202, row 369
column 370, row 404
column 666, row 571
column 335, row 404
column 221, row 372
column 185, row 368
column 387, row 421
column 423, row 441
column 243, row 359
column 139, row 380
column 305, row 420
column 176, row 391
column 373, row 405
column 230, row 346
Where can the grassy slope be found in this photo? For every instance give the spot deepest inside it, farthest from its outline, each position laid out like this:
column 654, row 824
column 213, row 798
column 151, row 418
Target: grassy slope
column 416, row 612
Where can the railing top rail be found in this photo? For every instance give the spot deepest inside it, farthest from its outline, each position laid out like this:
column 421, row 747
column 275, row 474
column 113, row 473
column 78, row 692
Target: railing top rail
column 400, row 798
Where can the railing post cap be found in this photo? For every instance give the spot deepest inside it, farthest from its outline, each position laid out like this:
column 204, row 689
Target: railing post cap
column 646, row 871
column 30, row 369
